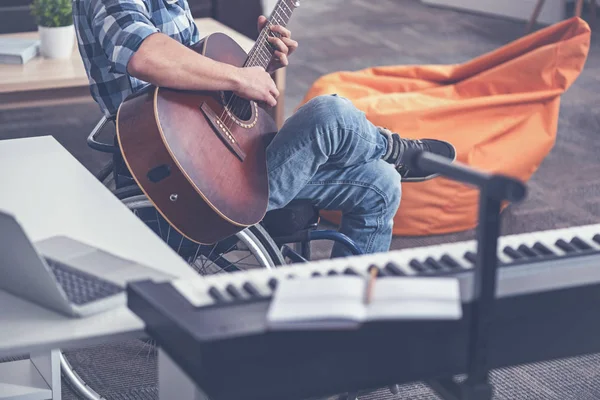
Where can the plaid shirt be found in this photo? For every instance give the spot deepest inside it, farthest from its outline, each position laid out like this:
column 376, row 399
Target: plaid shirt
column 110, row 31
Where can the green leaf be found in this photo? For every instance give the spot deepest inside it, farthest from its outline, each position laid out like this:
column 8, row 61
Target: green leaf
column 52, row 13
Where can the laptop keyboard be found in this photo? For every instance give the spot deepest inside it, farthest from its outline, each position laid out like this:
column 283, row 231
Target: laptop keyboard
column 80, row 287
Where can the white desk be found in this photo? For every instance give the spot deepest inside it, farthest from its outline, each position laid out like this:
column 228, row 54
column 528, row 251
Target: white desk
column 51, row 193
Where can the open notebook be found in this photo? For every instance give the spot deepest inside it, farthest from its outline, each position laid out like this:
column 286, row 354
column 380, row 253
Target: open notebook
column 340, row 301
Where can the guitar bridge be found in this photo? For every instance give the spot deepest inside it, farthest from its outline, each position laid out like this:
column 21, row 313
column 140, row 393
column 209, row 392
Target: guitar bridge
column 222, row 131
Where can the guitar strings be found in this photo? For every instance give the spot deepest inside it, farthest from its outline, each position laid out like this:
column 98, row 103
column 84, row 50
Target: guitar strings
column 258, row 50
column 235, row 101
column 274, row 34
column 233, row 98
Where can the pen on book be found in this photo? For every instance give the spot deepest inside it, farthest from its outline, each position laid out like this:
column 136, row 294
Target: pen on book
column 373, row 272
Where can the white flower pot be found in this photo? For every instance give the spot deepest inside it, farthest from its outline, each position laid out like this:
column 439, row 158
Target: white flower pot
column 57, row 42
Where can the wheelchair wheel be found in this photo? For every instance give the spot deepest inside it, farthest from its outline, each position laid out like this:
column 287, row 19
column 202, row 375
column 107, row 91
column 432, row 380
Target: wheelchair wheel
column 249, row 249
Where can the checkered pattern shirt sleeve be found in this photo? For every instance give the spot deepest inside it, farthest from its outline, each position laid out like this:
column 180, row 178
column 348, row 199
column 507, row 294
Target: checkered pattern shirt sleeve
column 120, row 27
column 109, row 32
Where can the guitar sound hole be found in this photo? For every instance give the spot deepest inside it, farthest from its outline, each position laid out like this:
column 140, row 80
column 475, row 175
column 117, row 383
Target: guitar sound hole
column 238, row 106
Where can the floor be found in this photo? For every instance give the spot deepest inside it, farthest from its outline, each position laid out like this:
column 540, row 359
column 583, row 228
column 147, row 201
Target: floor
column 353, row 34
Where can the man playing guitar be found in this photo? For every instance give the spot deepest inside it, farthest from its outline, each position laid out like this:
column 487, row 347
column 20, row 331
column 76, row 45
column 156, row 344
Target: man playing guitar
column 327, row 151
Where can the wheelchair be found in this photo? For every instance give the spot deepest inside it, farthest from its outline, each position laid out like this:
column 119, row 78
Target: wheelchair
column 284, row 236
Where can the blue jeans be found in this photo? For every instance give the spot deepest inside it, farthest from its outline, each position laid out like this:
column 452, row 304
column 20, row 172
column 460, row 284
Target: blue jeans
column 330, row 153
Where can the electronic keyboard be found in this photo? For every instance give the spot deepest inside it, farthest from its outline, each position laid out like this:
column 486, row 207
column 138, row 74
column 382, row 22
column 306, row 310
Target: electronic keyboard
column 454, row 259
column 546, row 307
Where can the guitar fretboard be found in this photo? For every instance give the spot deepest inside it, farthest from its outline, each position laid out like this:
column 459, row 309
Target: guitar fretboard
column 262, row 52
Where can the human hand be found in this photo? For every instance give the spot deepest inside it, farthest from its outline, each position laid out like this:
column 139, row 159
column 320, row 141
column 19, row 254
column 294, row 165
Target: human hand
column 283, row 44
column 256, row 84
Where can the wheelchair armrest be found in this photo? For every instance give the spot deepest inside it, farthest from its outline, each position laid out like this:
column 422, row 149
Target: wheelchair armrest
column 96, row 145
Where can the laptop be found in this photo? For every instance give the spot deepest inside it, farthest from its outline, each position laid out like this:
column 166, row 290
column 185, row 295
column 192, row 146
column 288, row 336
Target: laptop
column 63, row 274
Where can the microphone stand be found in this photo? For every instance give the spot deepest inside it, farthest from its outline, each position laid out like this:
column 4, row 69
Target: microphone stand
column 494, row 189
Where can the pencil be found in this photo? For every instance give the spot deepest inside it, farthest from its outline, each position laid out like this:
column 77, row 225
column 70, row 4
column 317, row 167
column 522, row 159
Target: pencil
column 372, row 276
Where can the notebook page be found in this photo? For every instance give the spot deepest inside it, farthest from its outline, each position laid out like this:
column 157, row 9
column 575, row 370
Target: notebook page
column 317, row 303
column 415, row 298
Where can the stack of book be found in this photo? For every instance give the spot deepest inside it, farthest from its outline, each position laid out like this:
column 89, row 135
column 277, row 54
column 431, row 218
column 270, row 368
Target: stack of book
column 15, row 50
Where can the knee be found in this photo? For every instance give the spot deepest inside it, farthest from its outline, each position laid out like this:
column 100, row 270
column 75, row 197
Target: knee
column 332, row 111
column 388, row 181
column 384, row 190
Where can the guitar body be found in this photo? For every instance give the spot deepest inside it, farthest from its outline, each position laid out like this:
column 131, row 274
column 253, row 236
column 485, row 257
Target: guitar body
column 200, row 162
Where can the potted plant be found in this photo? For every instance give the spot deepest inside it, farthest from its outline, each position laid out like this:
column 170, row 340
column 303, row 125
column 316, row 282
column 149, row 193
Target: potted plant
column 55, row 24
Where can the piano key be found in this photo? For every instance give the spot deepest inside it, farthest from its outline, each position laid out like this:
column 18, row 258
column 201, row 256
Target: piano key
column 216, row 295
column 332, row 272
column 350, row 271
column 543, row 249
column 512, row 253
column 566, row 247
column 316, row 273
column 596, row 238
column 393, row 269
column 251, row 289
column 233, row 292
column 417, row 266
column 527, row 251
column 433, row 264
column 578, row 242
column 450, row 262
column 472, row 257
column 272, row 283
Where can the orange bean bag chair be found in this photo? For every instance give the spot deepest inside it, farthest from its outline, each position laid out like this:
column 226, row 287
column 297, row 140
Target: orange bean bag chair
column 500, row 110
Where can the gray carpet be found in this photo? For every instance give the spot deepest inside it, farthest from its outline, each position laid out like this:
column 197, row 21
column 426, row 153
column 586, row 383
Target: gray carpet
column 352, row 34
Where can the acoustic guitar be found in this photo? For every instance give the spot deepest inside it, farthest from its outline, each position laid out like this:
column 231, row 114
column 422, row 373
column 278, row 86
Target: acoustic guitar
column 199, row 156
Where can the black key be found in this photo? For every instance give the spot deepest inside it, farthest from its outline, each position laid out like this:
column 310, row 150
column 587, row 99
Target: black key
column 527, row 251
column 449, row 261
column 579, row 243
column 316, row 273
column 566, row 247
column 393, row 269
column 433, row 264
column 417, row 266
column 543, row 249
column 216, row 295
column 272, row 283
column 233, row 291
column 470, row 256
column 333, row 272
column 251, row 289
column 512, row 253
column 596, row 238
column 350, row 271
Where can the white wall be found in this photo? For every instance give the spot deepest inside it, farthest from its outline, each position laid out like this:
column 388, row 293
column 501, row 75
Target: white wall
column 552, row 12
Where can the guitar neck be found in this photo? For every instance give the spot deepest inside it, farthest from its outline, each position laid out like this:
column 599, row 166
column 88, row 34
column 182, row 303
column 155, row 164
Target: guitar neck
column 262, row 52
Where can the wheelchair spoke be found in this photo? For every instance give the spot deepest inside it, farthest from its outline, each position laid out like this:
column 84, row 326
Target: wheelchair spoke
column 196, row 255
column 158, row 223
column 180, row 243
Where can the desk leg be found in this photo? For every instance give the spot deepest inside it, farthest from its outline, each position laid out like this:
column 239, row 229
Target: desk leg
column 48, row 365
column 173, row 383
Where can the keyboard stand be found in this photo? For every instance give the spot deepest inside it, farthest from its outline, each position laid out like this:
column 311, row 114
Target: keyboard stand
column 494, row 190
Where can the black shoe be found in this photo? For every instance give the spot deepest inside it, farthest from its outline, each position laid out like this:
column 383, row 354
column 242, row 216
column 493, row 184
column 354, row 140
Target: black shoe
column 397, row 154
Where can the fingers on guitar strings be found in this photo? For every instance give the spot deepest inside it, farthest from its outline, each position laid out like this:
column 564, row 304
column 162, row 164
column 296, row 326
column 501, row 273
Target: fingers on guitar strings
column 284, row 32
column 281, row 58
